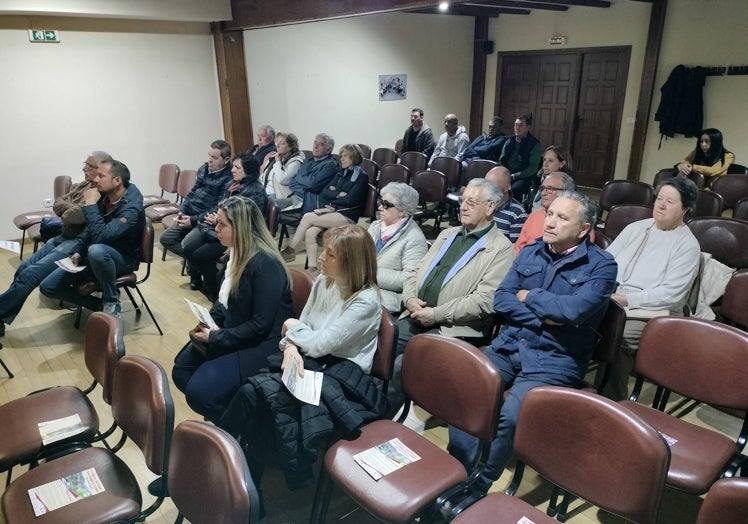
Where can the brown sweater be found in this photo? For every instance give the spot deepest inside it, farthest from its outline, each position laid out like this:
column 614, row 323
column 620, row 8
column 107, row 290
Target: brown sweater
column 68, row 206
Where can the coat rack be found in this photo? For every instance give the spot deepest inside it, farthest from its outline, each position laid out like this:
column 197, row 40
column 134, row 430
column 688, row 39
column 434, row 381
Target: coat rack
column 726, row 70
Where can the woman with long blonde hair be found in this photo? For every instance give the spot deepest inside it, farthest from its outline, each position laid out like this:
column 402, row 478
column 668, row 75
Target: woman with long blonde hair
column 254, row 299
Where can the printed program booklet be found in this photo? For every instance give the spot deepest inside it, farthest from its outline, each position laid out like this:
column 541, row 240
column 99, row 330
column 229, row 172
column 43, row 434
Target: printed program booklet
column 60, row 429
column 385, row 458
column 201, row 313
column 306, row 388
column 64, row 491
column 67, row 265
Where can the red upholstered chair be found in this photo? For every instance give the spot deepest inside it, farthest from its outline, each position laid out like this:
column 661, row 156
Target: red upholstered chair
column 735, row 300
column 726, row 501
column 143, row 408
column 158, row 212
column 741, row 209
column 617, row 192
column 737, row 169
column 372, row 169
column 622, row 215
column 475, row 169
column 209, row 479
column 705, row 361
column 724, row 238
column 384, row 155
column 393, row 173
column 302, row 285
column 586, row 445
column 365, row 151
column 168, row 180
column 451, row 167
column 732, row 188
column 709, row 204
column 434, row 371
column 432, row 189
column 414, row 160
column 20, row 440
column 61, row 185
column 370, row 207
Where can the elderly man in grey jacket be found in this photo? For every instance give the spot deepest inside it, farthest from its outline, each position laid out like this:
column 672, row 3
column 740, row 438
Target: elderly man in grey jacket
column 451, row 290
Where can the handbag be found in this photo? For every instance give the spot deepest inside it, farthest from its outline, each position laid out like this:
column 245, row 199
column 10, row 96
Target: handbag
column 50, row 227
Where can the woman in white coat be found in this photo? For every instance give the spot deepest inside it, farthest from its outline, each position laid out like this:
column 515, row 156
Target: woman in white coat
column 399, row 241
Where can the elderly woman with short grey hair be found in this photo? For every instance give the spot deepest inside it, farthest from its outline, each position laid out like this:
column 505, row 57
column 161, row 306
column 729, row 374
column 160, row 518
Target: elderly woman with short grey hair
column 399, row 241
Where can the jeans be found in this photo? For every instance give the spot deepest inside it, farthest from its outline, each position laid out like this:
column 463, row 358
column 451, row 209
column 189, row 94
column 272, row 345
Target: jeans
column 172, row 237
column 464, row 447
column 32, row 272
column 104, row 264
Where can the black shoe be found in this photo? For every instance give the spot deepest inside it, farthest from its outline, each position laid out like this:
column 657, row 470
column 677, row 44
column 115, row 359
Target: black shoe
column 196, row 284
column 156, row 487
column 2, row 328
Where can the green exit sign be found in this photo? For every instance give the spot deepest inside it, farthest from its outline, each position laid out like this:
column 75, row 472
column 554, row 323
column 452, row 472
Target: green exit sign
column 43, row 35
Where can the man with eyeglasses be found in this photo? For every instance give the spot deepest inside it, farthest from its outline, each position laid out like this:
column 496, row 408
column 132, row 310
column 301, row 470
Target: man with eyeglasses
column 312, row 177
column 450, row 291
column 552, row 302
column 37, row 267
column 533, row 226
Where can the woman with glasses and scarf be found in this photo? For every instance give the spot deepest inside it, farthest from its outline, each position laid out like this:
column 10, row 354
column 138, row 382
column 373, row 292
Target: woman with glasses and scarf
column 399, row 241
column 342, row 203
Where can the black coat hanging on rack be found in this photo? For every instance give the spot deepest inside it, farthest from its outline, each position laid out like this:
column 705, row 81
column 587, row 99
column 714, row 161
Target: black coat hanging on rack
column 681, row 108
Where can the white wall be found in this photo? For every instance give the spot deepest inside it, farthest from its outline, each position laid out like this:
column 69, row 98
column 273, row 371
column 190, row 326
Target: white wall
column 147, row 93
column 699, row 33
column 323, row 76
column 177, row 10
column 623, row 24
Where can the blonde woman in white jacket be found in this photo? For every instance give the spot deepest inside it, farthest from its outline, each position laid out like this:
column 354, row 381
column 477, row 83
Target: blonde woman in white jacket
column 399, row 241
column 282, row 166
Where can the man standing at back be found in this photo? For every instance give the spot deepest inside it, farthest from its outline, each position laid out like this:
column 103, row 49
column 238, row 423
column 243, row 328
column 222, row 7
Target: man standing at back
column 418, row 136
column 111, row 243
column 213, row 180
column 522, row 155
column 453, row 141
column 552, row 301
column 36, row 268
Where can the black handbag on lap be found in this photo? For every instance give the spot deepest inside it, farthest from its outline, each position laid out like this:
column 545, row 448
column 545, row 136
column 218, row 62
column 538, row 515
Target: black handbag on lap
column 50, row 227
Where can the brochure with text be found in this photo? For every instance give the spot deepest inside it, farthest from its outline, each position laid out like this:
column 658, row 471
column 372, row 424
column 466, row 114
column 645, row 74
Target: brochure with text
column 201, row 313
column 60, row 429
column 64, row 491
column 67, row 265
column 385, row 458
column 307, row 388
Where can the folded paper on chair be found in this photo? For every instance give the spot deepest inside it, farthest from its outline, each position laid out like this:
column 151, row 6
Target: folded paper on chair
column 64, row 491
column 385, row 458
column 59, row 429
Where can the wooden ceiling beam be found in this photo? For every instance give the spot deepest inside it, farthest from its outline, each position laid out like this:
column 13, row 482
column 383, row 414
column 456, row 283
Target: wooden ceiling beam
column 520, row 4
column 581, row 3
column 473, row 10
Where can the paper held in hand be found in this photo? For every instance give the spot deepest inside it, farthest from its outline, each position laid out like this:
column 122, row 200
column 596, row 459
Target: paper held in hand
column 385, row 458
column 201, row 313
column 67, row 265
column 306, row 388
column 64, row 491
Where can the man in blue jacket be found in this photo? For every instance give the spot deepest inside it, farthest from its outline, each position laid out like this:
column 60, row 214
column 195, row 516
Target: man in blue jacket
column 115, row 217
column 552, row 301
column 312, row 177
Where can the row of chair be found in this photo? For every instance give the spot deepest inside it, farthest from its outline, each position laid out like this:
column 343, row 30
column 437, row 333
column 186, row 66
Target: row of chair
column 732, row 187
column 204, row 469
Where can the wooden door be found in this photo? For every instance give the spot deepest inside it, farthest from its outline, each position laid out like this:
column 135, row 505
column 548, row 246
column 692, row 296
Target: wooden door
column 576, row 98
column 598, row 124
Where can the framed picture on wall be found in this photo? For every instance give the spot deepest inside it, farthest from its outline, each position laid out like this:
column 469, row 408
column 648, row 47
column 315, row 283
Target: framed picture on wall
column 393, row 87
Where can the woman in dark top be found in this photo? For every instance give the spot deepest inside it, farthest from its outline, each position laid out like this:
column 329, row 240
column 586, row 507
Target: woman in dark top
column 342, row 204
column 201, row 246
column 253, row 302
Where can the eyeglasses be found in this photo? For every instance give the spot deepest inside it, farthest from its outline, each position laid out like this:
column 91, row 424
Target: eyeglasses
column 551, row 189
column 472, row 203
column 385, row 204
column 89, row 166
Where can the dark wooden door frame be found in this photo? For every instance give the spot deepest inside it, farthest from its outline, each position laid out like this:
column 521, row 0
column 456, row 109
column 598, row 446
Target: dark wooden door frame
column 548, row 52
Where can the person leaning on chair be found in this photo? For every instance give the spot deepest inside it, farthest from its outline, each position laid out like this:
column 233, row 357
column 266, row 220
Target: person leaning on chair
column 36, row 268
column 552, row 300
column 111, row 243
column 658, row 259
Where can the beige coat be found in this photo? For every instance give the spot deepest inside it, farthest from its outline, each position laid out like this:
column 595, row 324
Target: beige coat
column 465, row 307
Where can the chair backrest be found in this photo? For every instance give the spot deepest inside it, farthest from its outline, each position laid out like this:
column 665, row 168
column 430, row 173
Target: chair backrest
column 370, row 209
column 103, row 346
column 307, row 153
column 365, row 151
column 662, row 175
column 602, row 240
column 617, row 192
column 431, row 186
column 434, row 374
column 586, row 445
column 393, row 173
column 477, row 169
column 724, row 238
column 451, row 168
column 399, row 145
column 737, row 169
column 147, row 240
column 741, row 209
column 168, row 177
column 622, row 215
column 372, row 169
column 726, row 501
column 384, row 357
column 610, row 333
column 209, row 479
column 700, row 359
column 272, row 217
column 384, row 155
column 302, row 285
column 732, row 188
column 414, row 160
column 143, row 408
column 187, row 179
column 708, row 204
column 697, row 178
column 734, row 307
column 62, row 185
